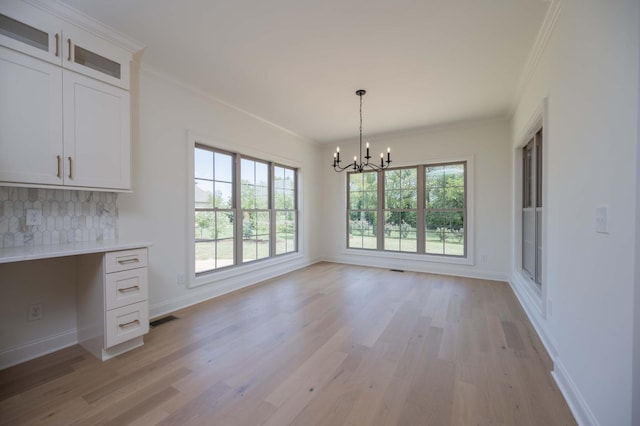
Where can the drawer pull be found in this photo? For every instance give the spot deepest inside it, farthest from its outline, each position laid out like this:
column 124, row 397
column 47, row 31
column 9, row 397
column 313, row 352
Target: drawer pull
column 127, row 289
column 128, row 261
column 57, row 45
column 69, row 44
column 128, row 324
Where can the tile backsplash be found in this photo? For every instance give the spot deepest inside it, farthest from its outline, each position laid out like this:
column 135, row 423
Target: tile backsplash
column 67, row 216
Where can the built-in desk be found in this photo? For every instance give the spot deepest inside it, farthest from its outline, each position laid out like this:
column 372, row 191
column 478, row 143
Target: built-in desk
column 112, row 311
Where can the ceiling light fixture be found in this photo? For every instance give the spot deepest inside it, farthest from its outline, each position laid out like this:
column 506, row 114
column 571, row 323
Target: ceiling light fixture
column 358, row 165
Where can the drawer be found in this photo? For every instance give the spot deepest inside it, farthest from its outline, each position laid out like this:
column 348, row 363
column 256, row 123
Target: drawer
column 116, row 261
column 126, row 323
column 126, row 287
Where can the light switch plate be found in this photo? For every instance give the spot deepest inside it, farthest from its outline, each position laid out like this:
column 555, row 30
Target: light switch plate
column 602, row 219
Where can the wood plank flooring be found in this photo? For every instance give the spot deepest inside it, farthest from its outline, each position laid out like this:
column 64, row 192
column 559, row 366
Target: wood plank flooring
column 329, row 344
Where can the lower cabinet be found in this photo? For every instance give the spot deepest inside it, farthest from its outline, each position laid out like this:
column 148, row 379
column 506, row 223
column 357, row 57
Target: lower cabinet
column 112, row 307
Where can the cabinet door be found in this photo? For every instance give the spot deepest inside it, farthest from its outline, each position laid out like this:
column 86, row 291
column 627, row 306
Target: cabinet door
column 90, row 55
column 97, row 140
column 31, row 31
column 30, row 119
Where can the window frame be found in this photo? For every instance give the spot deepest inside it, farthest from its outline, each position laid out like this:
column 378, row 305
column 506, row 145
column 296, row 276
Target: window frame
column 421, row 255
column 239, row 267
column 532, row 202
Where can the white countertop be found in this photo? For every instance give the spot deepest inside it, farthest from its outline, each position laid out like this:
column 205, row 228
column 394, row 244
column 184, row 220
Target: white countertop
column 18, row 254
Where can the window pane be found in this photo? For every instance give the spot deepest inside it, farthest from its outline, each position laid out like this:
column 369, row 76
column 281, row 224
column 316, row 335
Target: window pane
column 434, row 232
column 454, row 197
column 435, row 176
column 454, row 234
column 224, row 193
column 285, row 232
column 393, row 198
column 362, row 230
column 248, row 196
column 400, row 231
column 262, row 174
column 247, row 171
column 224, row 167
column 203, row 194
column 205, row 256
column 255, row 235
column 214, row 240
column 435, row 198
column 203, row 164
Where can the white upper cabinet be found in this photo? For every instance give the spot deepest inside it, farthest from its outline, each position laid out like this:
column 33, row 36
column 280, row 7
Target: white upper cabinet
column 97, row 133
column 64, row 103
column 30, row 120
column 31, row 31
column 95, row 57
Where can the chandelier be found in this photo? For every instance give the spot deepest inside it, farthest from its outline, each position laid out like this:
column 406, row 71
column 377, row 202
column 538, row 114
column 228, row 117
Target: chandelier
column 358, row 165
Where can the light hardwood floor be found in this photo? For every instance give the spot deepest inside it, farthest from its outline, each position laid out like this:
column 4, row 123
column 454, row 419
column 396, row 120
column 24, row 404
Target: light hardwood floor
column 326, row 345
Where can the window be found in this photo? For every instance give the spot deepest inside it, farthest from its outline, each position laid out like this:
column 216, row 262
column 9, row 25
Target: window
column 532, row 208
column 423, row 209
column 446, row 209
column 363, row 210
column 245, row 209
column 401, row 206
column 215, row 215
column 284, row 207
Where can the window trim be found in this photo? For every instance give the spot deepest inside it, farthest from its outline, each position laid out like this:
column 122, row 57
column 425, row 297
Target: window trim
column 469, row 259
column 228, row 272
column 536, row 295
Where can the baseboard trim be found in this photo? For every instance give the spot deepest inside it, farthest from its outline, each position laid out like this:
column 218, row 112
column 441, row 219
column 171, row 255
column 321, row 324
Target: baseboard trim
column 576, row 402
column 533, row 314
column 207, row 292
column 37, row 348
column 427, row 268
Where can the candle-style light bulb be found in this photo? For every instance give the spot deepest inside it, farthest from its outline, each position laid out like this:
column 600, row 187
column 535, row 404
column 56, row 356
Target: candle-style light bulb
column 338, row 154
column 388, row 155
column 381, row 160
column 367, row 145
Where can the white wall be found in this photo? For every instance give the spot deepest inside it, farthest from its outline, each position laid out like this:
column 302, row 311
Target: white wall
column 49, row 282
column 485, row 143
column 157, row 210
column 589, row 72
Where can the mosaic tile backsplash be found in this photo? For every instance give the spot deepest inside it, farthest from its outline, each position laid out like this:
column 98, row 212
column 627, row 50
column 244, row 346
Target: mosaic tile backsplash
column 67, row 216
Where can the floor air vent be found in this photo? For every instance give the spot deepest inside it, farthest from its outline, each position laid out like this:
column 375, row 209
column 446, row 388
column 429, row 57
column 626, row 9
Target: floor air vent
column 162, row 320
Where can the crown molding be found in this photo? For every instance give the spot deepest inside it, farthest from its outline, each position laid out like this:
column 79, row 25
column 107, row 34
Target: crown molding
column 87, row 23
column 538, row 48
column 162, row 75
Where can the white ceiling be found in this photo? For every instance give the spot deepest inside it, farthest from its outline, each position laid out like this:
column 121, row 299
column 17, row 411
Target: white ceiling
column 297, row 63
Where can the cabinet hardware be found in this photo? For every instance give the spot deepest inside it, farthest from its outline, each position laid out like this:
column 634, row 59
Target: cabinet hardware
column 127, row 324
column 127, row 261
column 70, row 168
column 59, row 163
column 69, row 43
column 57, row 45
column 127, row 289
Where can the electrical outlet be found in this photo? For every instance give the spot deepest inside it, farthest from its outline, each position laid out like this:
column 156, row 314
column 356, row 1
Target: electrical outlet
column 181, row 279
column 34, row 217
column 35, row 312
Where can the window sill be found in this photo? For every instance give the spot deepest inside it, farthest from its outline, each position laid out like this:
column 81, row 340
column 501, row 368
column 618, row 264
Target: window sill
column 235, row 271
column 409, row 256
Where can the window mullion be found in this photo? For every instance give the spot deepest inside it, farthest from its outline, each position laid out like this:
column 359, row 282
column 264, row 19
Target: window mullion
column 420, row 211
column 237, row 201
column 380, row 212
